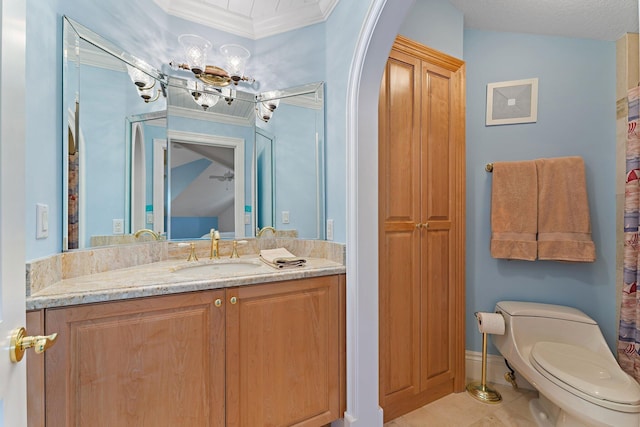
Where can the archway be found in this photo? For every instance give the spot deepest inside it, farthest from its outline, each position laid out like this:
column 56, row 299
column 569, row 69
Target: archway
column 372, row 49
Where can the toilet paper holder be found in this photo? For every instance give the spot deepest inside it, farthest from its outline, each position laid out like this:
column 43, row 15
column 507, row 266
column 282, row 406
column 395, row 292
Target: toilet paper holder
column 480, row 390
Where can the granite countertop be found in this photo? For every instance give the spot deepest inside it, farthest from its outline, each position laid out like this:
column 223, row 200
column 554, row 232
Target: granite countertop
column 169, row 277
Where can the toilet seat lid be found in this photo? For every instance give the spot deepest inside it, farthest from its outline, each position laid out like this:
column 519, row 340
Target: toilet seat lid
column 587, row 372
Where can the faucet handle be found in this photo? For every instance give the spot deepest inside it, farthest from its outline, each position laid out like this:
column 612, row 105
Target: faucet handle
column 192, row 253
column 234, row 253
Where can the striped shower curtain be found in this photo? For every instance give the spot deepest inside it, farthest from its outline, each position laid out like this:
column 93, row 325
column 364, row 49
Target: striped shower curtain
column 629, row 332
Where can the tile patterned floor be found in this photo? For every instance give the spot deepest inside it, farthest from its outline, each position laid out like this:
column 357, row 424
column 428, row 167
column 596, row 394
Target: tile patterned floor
column 462, row 410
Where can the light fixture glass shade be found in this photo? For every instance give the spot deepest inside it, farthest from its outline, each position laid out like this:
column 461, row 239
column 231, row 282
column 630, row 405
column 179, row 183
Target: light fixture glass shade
column 236, row 57
column 207, row 100
column 204, row 95
column 263, row 112
column 270, row 99
column 139, row 78
column 195, row 50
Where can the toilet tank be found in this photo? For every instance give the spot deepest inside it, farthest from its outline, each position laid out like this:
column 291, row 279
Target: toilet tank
column 527, row 323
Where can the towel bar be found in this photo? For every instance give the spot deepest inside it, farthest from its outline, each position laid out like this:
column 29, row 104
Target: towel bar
column 489, row 167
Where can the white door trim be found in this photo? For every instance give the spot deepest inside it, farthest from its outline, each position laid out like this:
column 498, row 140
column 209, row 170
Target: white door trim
column 13, row 379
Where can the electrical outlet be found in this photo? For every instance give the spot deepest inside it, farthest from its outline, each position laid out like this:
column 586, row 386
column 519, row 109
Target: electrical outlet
column 118, row 226
column 285, row 217
column 329, row 229
column 247, row 218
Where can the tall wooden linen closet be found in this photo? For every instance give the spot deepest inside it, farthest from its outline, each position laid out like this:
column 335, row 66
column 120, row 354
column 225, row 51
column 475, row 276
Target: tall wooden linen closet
column 421, row 227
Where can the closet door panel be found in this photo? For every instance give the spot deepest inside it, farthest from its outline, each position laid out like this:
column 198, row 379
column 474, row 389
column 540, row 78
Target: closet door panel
column 437, row 314
column 399, row 213
column 400, row 334
column 436, row 158
column 401, row 145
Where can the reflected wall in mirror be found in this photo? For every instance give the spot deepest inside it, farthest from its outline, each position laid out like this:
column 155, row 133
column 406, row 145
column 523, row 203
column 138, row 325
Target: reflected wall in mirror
column 99, row 95
column 121, row 166
column 295, row 131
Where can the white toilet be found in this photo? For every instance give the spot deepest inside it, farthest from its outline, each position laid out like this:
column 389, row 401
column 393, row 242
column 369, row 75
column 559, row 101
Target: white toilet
column 562, row 353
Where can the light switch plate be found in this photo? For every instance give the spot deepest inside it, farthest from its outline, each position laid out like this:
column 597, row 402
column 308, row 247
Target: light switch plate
column 118, row 226
column 42, row 221
column 329, row 229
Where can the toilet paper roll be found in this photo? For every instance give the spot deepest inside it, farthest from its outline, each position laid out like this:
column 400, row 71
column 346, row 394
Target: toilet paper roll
column 490, row 323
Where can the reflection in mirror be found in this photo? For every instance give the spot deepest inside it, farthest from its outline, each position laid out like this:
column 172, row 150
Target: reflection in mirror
column 121, row 167
column 207, row 151
column 207, row 185
column 265, row 208
column 297, row 124
column 99, row 94
column 147, row 145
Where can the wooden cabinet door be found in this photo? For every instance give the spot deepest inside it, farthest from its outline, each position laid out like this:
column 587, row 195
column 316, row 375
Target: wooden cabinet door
column 421, row 227
column 283, row 353
column 399, row 228
column 145, row 362
column 437, row 363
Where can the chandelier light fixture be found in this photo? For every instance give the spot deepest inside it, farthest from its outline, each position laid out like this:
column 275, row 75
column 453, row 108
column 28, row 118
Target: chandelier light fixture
column 195, row 51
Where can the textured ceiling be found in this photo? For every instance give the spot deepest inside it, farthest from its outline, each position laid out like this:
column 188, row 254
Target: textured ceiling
column 254, row 19
column 591, row 19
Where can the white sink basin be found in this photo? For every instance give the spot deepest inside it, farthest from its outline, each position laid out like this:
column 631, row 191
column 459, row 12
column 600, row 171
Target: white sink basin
column 219, row 268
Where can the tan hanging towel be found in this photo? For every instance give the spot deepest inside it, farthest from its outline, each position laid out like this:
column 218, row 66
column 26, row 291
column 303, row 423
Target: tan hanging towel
column 564, row 226
column 514, row 202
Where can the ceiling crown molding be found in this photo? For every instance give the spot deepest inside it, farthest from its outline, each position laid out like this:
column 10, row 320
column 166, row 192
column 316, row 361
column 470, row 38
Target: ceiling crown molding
column 244, row 25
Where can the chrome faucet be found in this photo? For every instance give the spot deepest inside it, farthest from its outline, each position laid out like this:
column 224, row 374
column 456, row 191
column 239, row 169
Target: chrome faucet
column 142, row 231
column 214, row 235
column 268, row 227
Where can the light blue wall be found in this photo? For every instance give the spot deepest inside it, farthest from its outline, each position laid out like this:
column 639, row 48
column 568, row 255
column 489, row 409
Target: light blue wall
column 437, row 24
column 576, row 116
column 342, row 30
column 44, row 131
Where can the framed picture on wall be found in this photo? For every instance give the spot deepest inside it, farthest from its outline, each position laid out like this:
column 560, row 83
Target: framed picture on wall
column 512, row 102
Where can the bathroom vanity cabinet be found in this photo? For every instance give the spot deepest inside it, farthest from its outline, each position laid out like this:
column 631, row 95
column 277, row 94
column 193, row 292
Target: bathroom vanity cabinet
column 269, row 354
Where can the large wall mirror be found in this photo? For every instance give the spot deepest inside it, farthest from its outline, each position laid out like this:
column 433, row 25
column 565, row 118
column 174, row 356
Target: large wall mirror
column 141, row 153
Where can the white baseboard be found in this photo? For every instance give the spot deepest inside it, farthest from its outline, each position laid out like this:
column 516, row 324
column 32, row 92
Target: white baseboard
column 496, row 369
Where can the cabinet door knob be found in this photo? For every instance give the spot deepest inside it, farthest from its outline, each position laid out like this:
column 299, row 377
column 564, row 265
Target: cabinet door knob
column 218, row 302
column 233, row 300
column 20, row 342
